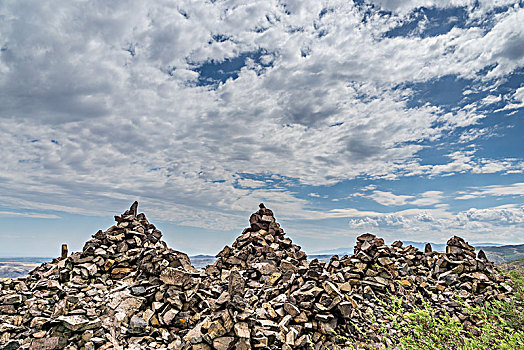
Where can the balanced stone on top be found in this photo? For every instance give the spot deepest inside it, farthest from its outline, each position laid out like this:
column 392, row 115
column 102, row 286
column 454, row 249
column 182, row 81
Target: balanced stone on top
column 482, row 255
column 366, row 237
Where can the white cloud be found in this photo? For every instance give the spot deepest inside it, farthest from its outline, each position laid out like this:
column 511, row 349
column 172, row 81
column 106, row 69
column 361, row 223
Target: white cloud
column 516, row 189
column 369, row 187
column 490, row 99
column 114, row 85
column 516, row 101
column 388, row 198
column 28, row 215
column 250, row 183
column 438, row 224
column 465, row 161
column 405, row 6
column 473, row 134
column 428, row 198
column 503, row 215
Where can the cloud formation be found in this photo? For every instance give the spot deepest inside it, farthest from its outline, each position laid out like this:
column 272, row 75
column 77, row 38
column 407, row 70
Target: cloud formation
column 439, row 224
column 516, row 189
column 194, row 106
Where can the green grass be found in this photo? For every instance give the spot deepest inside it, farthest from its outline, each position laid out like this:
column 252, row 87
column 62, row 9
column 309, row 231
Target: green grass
column 498, row 324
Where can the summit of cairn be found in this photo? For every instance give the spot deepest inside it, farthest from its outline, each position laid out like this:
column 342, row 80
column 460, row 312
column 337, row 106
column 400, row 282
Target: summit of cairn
column 263, row 253
column 127, row 290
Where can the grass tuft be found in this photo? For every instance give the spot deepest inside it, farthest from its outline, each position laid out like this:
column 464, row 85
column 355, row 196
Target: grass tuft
column 498, row 324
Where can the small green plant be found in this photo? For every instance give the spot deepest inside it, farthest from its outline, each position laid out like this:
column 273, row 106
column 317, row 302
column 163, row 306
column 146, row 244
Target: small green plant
column 498, row 324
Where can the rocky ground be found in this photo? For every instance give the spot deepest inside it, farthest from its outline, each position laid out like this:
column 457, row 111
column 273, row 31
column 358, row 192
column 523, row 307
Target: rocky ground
column 127, row 290
column 517, row 264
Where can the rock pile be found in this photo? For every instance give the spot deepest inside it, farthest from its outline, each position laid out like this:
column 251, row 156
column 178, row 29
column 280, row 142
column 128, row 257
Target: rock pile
column 109, row 296
column 128, row 290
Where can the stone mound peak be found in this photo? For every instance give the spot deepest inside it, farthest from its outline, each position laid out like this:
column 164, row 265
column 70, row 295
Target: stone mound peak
column 262, row 250
column 127, row 290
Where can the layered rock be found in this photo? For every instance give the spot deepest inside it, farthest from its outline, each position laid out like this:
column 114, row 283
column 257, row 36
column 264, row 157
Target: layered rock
column 128, row 290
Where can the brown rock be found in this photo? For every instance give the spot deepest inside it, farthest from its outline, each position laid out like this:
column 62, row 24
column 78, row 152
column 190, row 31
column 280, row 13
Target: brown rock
column 48, row 343
column 175, row 276
column 223, row 343
column 236, row 284
column 242, row 330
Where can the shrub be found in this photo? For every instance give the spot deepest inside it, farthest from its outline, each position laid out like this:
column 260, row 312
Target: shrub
column 499, row 324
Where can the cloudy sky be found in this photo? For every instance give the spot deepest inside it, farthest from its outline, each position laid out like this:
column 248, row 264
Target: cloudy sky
column 343, row 117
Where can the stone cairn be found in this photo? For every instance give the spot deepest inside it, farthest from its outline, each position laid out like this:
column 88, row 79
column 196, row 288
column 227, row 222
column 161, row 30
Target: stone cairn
column 128, row 290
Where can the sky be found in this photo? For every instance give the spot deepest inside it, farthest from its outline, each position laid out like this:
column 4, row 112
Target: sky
column 402, row 118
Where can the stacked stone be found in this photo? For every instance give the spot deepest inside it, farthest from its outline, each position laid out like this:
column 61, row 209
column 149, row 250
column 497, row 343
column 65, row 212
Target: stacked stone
column 100, row 298
column 128, row 290
column 263, row 251
column 250, row 285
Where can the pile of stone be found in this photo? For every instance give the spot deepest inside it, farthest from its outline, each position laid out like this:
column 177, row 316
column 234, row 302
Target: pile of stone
column 128, row 290
column 109, row 296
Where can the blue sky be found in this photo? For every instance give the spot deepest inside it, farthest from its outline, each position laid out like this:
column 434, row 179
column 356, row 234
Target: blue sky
column 401, row 118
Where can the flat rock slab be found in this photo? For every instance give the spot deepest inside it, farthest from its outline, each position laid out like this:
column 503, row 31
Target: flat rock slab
column 48, row 343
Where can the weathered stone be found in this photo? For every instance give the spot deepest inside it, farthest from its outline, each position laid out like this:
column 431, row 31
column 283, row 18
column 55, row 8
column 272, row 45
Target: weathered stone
column 169, row 316
column 345, row 287
column 331, row 289
column 74, row 323
column 201, row 346
column 216, row 329
column 11, row 299
column 48, row 343
column 265, row 268
column 195, row 335
column 175, row 276
column 481, row 255
column 366, row 237
column 236, row 284
column 345, row 309
column 242, row 330
column 291, row 309
column 223, row 343
column 137, row 325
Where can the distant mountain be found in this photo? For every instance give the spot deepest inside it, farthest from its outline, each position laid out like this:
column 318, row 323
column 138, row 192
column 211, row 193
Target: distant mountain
column 26, row 259
column 503, row 253
column 9, row 269
column 487, row 244
column 437, row 247
column 498, row 253
column 334, row 251
column 13, row 267
column 322, row 257
column 201, row 261
column 512, row 251
column 202, row 256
